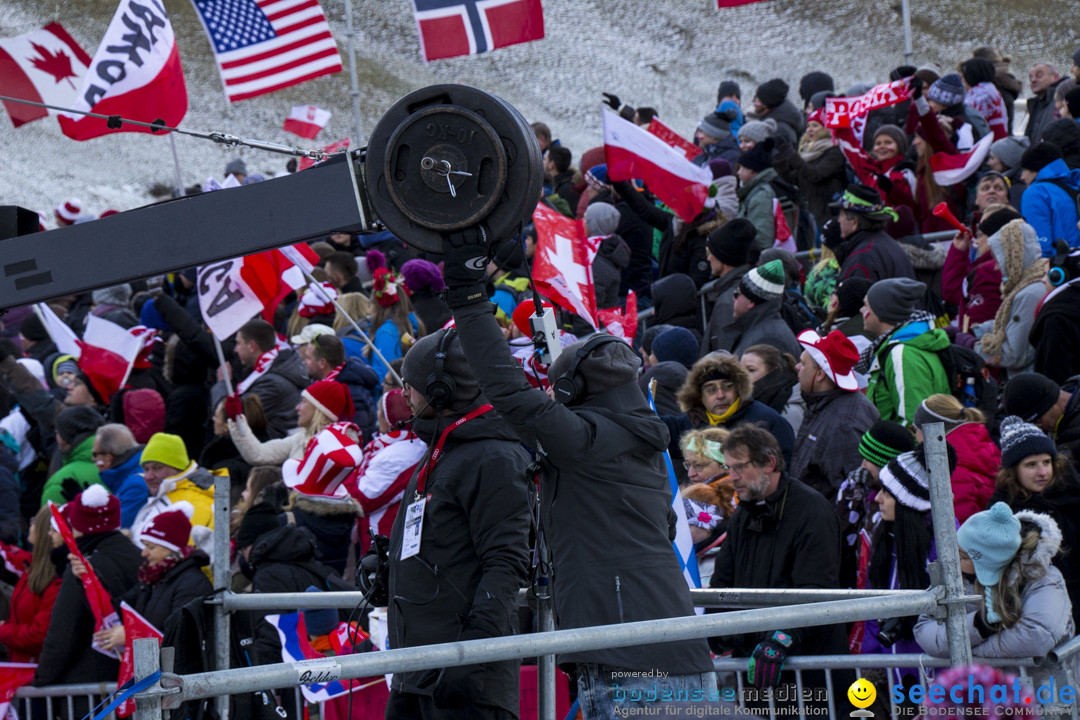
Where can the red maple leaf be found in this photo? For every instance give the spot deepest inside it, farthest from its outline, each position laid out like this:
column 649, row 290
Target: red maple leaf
column 57, row 64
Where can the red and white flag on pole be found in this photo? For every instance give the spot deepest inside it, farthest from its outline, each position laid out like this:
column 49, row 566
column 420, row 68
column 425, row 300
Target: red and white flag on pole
column 12, row 677
column 231, row 292
column 783, row 238
column 135, row 73
column 306, row 121
column 952, row 168
column 450, row 28
column 674, row 139
column 136, row 627
column 331, row 149
column 106, row 353
column 633, row 152
column 562, row 264
column 45, row 66
column 620, row 323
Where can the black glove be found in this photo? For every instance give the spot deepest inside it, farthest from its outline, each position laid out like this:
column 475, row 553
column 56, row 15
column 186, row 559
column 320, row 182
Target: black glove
column 768, row 660
column 830, row 233
column 612, row 100
column 916, row 85
column 782, row 148
column 884, row 183
column 982, row 626
column 465, row 256
column 69, row 489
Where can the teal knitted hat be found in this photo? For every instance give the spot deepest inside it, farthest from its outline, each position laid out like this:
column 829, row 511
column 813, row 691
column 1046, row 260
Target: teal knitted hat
column 991, row 539
column 764, row 283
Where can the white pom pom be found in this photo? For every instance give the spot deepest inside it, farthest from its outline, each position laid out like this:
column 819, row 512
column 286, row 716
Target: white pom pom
column 95, row 496
column 185, row 507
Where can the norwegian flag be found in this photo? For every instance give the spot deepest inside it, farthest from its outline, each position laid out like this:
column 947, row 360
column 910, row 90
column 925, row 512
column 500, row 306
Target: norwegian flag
column 306, row 121
column 231, row 292
column 12, row 677
column 783, row 237
column 136, row 627
column 101, row 606
column 633, row 152
column 621, row 324
column 450, row 28
column 45, row 66
column 106, row 353
column 952, row 168
column 562, row 264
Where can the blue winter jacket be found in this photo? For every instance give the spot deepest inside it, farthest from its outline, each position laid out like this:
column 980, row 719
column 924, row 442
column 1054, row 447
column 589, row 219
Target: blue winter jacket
column 125, row 481
column 1049, row 209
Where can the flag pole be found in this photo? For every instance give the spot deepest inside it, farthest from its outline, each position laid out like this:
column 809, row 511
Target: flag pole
column 221, row 359
column 363, row 336
column 354, row 83
column 906, row 10
column 176, row 166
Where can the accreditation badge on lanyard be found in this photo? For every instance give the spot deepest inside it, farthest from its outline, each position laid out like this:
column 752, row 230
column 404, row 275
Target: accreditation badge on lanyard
column 414, row 513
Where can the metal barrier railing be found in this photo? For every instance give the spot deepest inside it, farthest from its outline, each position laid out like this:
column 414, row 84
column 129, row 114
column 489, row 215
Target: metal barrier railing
column 49, row 697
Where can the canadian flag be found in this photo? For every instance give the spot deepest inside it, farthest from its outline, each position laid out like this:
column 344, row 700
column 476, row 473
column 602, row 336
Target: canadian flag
column 619, row 323
column 952, row 168
column 231, row 292
column 633, row 152
column 136, row 627
column 136, row 73
column 45, row 66
column 306, row 120
column 562, row 264
column 106, row 353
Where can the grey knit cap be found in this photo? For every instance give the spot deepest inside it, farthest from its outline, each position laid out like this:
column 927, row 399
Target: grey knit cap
column 606, row 367
column 757, row 130
column 420, row 364
column 894, row 299
column 115, row 295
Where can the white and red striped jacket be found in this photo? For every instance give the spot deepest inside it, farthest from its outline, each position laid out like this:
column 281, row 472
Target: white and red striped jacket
column 379, row 482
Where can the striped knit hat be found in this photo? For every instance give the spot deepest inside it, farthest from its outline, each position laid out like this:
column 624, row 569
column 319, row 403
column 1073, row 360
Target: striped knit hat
column 69, row 210
column 328, row 459
column 764, row 283
column 907, row 479
column 1020, row 440
column 884, row 441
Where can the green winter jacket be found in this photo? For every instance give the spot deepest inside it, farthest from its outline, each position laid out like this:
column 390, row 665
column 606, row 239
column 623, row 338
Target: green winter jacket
column 906, row 370
column 755, row 204
column 79, row 466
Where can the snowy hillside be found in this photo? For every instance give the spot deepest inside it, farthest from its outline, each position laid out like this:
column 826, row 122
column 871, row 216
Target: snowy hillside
column 669, row 54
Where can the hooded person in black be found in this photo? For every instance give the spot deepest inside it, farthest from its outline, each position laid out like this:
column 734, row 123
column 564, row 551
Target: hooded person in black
column 600, row 448
column 457, row 577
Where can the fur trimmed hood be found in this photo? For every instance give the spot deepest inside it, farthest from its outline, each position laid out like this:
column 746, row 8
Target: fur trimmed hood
column 1050, row 540
column 725, row 363
column 326, row 507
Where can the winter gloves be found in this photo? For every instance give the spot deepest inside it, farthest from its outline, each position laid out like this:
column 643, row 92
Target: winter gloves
column 768, row 660
column 234, row 407
column 465, row 256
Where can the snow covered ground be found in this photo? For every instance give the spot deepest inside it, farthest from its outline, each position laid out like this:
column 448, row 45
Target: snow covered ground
column 670, row 55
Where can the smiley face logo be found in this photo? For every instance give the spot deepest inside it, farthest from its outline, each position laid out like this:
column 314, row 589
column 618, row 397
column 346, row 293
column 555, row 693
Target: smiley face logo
column 862, row 693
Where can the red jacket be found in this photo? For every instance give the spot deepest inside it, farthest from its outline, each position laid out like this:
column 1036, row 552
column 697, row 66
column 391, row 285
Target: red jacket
column 974, row 286
column 977, row 463
column 23, row 633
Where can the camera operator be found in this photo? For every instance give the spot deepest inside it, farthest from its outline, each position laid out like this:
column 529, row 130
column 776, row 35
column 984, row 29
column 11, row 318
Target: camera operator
column 605, row 499
column 460, row 543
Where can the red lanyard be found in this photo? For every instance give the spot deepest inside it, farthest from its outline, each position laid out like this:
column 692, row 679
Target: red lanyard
column 437, row 452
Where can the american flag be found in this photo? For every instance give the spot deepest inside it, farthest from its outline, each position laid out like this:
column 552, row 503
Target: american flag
column 266, row 45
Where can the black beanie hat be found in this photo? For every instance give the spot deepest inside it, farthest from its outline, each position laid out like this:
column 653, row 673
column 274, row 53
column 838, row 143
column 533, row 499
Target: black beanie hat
column 997, row 220
column 902, row 71
column 813, row 82
column 728, row 88
column 1076, row 57
column 850, row 294
column 1036, row 157
column 1072, row 100
column 730, row 242
column 978, row 70
column 772, row 93
column 759, row 157
column 1030, row 395
column 419, row 365
column 75, row 424
column 258, row 520
column 32, row 329
column 651, row 333
column 884, row 441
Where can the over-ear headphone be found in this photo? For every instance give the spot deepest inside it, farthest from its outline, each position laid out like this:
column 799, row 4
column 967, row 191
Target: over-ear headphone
column 571, row 386
column 441, row 388
column 1064, row 265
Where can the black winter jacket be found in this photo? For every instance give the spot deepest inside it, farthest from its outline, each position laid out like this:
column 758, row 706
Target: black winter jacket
column 827, row 447
column 612, row 257
column 66, row 657
column 751, row 411
column 636, row 234
column 874, row 256
column 278, row 390
column 183, row 583
column 789, row 540
column 474, row 552
column 1055, row 335
column 603, row 452
column 331, row 524
column 723, row 301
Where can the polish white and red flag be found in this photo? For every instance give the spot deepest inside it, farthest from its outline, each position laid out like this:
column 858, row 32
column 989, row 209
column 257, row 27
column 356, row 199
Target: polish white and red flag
column 634, row 153
column 106, row 352
column 562, row 264
column 231, row 292
column 12, row 677
column 45, row 66
column 306, row 121
column 674, row 139
column 331, row 149
column 135, row 73
column 621, row 323
column 952, row 168
column 136, row 627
